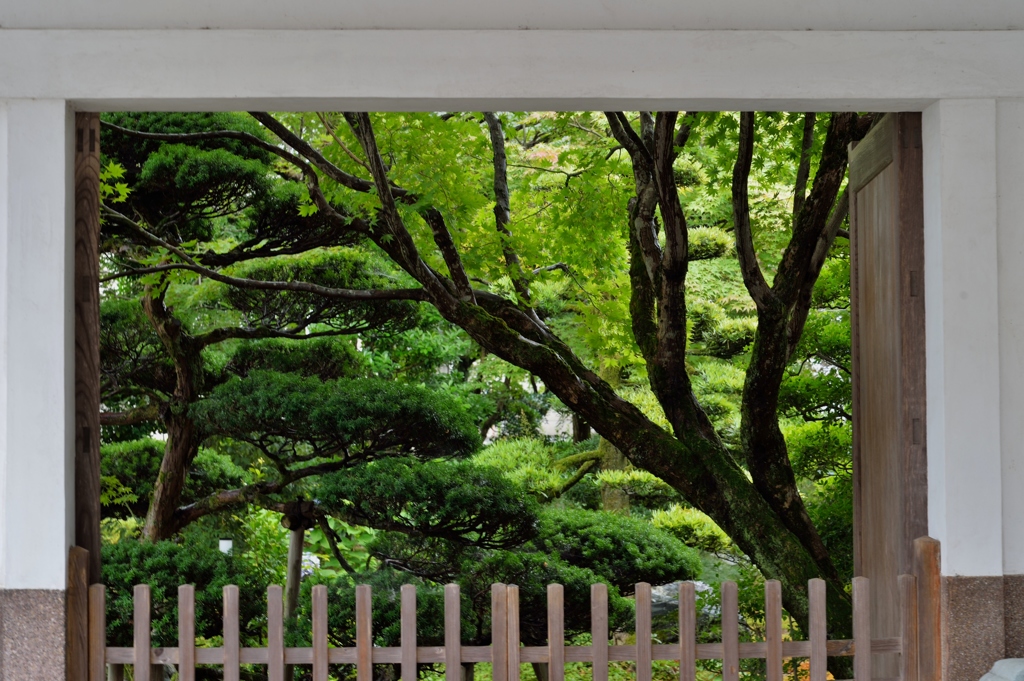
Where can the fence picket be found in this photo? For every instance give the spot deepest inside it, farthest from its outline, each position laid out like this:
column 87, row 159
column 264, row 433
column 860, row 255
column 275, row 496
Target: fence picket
column 408, row 633
column 861, row 629
column 818, row 632
column 232, row 666
column 687, row 632
column 773, row 629
column 513, row 632
column 643, row 632
column 556, row 632
column 452, row 633
column 142, row 633
column 275, row 633
column 186, row 633
column 320, row 654
column 730, row 632
column 908, row 628
column 599, row 630
column 97, row 632
column 364, row 633
column 499, row 633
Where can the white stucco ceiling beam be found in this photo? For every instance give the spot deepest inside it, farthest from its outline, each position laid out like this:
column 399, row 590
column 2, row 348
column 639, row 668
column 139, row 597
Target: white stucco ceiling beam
column 522, row 14
column 453, row 70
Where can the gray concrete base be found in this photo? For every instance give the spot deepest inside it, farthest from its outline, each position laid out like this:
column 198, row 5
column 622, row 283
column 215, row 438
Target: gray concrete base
column 32, row 634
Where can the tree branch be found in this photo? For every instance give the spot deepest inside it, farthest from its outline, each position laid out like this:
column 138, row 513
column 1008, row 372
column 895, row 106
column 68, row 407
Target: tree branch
column 315, row 157
column 397, row 242
column 213, row 135
column 337, row 140
column 624, row 134
column 753, row 277
column 301, row 286
column 803, row 170
column 150, row 412
column 798, row 318
column 444, row 242
column 502, row 207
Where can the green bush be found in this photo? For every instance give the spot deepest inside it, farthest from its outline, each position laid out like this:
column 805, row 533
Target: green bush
column 623, row 550
column 164, row 566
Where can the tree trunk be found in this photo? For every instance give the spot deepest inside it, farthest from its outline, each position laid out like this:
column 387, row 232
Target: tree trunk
column 613, row 499
column 182, row 435
column 179, row 452
column 293, row 579
column 540, row 670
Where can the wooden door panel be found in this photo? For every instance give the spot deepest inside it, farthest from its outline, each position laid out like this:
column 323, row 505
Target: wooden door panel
column 890, row 477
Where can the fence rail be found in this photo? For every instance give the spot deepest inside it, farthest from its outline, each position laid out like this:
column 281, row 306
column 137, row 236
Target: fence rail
column 505, row 651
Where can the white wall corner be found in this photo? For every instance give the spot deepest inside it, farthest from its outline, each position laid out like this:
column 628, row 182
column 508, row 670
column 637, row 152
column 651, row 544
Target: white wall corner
column 965, row 509
column 1010, row 198
column 36, row 343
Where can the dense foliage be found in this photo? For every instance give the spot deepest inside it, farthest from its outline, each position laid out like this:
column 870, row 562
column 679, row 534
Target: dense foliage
column 475, row 348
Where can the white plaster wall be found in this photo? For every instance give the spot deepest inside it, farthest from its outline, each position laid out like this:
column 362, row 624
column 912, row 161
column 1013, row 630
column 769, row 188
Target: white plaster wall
column 1010, row 187
column 894, row 15
column 962, row 335
column 454, row 70
column 36, row 351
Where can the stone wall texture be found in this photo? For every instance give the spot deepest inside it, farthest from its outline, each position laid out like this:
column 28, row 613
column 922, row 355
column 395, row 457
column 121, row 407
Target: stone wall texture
column 32, row 634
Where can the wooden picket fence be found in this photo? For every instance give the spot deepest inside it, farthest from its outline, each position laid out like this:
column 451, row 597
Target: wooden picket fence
column 505, row 652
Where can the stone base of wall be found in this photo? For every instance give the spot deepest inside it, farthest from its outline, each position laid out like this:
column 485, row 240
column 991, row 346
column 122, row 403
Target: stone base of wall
column 982, row 622
column 32, row 634
column 1013, row 598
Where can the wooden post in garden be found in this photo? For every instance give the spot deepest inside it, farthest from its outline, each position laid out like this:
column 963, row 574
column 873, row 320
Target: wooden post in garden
column 927, row 567
column 87, row 339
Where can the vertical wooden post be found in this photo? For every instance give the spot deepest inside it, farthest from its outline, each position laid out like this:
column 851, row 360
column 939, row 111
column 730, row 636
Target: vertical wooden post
column 275, row 633
column 644, row 650
column 77, row 648
column 861, row 629
column 142, row 634
column 452, row 633
column 186, row 633
column 499, row 633
column 513, row 632
column 599, row 630
column 927, row 570
column 87, row 339
column 556, row 632
column 773, row 629
column 818, row 632
column 408, row 633
column 687, row 632
column 320, row 654
column 232, row 666
column 908, row 628
column 97, row 632
column 731, row 632
column 364, row 633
